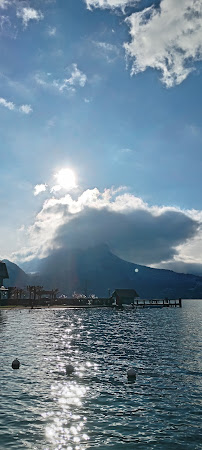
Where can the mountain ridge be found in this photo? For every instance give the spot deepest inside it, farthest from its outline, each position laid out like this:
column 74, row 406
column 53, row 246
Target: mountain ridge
column 97, row 270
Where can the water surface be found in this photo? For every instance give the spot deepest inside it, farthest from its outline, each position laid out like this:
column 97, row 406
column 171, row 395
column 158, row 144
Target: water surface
column 97, row 407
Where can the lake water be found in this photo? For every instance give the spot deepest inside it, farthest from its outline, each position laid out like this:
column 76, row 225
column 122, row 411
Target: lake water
column 97, row 407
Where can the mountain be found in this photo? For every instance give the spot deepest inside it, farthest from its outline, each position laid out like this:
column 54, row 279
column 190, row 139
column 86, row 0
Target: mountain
column 96, row 270
column 17, row 277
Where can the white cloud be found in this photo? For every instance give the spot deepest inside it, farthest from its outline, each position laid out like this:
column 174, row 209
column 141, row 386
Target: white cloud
column 77, row 79
column 56, row 188
column 9, row 105
column 25, row 109
column 6, row 27
column 21, row 229
column 106, row 46
column 27, row 14
column 168, row 39
column 4, row 3
column 109, row 51
column 109, row 3
column 39, row 188
column 42, row 80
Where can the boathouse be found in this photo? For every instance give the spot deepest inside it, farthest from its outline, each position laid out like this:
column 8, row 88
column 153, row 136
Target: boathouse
column 3, row 276
column 124, row 297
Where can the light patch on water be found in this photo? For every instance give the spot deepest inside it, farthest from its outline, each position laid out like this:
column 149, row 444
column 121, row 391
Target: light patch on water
column 66, row 426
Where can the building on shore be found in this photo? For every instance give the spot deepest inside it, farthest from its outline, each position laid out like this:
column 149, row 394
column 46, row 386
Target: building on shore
column 3, row 276
column 122, row 297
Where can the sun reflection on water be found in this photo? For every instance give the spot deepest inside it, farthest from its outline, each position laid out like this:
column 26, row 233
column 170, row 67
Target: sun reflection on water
column 66, row 427
column 65, row 423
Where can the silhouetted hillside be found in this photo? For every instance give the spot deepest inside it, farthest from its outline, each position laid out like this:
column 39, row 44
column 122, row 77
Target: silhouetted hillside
column 17, row 277
column 96, row 270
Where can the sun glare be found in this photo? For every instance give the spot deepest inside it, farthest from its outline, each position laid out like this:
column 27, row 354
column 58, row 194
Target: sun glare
column 66, row 179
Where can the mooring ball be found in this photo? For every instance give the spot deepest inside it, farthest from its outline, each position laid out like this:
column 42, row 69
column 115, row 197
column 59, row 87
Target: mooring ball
column 69, row 369
column 131, row 373
column 15, row 364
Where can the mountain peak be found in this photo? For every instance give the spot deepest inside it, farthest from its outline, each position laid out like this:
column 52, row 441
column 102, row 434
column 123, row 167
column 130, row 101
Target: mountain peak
column 96, row 270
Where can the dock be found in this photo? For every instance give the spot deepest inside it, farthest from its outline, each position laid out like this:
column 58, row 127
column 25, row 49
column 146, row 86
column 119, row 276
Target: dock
column 158, row 303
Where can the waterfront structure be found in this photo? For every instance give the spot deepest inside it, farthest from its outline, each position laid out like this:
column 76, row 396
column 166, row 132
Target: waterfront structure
column 4, row 293
column 157, row 303
column 3, row 272
column 3, row 275
column 122, row 297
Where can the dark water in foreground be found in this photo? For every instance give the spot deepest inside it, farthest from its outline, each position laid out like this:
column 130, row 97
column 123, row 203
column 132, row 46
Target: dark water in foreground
column 42, row 408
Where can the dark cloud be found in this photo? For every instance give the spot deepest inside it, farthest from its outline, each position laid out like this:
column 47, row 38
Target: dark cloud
column 183, row 267
column 137, row 236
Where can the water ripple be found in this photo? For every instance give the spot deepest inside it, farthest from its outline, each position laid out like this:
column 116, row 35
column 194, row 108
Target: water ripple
column 97, row 407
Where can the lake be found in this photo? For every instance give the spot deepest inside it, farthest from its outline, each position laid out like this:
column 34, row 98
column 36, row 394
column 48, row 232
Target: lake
column 97, row 407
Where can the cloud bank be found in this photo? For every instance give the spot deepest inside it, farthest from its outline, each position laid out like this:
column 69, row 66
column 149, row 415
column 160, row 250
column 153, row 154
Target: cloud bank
column 131, row 228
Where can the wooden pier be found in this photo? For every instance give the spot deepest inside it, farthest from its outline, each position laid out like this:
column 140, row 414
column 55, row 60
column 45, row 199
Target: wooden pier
column 158, row 303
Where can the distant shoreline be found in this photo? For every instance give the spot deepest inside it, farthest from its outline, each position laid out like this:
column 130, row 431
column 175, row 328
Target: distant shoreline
column 53, row 307
column 21, row 307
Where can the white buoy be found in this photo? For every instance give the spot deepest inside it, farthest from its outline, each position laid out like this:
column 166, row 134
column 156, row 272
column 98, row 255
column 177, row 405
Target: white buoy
column 15, row 364
column 69, row 369
column 131, row 373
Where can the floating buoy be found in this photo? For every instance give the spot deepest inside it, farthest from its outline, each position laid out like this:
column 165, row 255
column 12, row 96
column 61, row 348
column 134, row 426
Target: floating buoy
column 69, row 369
column 15, row 364
column 131, row 373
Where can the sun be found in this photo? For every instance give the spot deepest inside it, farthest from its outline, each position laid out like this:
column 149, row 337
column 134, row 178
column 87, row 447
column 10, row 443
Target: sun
column 66, row 179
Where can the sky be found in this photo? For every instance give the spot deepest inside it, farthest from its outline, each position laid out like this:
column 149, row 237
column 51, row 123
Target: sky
column 100, row 129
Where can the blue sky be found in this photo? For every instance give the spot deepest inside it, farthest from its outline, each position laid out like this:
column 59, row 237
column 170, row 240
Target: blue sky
column 112, row 90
